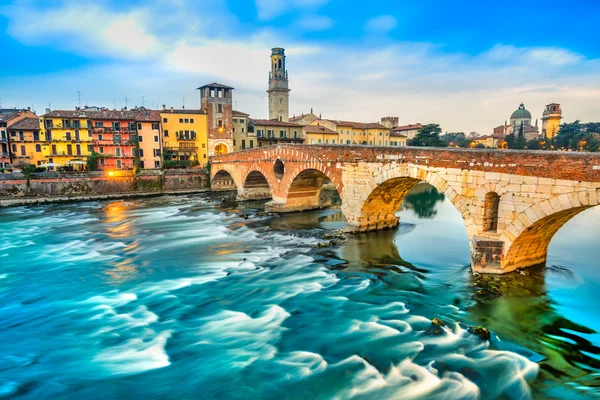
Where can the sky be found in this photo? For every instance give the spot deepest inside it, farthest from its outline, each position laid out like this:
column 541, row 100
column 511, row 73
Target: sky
column 466, row 65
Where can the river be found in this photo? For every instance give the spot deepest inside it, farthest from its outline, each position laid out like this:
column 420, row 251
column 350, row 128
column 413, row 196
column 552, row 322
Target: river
column 187, row 297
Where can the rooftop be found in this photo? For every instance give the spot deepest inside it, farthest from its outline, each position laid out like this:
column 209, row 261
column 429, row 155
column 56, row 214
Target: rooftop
column 26, row 124
column 270, row 122
column 408, row 127
column 215, row 85
column 235, row 112
column 358, row 125
column 318, row 129
column 99, row 115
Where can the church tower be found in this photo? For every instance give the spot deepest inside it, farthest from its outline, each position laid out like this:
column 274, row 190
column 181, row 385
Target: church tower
column 551, row 120
column 279, row 94
column 216, row 100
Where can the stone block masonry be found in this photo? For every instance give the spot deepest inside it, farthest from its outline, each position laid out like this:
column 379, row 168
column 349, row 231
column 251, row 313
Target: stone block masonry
column 531, row 194
column 49, row 184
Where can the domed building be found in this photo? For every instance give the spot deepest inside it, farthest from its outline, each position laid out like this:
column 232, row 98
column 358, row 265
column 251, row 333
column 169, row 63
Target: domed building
column 520, row 116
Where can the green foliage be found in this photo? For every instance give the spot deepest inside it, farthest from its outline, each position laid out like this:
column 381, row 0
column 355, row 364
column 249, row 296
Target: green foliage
column 92, row 161
column 510, row 140
column 180, row 163
column 520, row 141
column 480, row 146
column 534, row 145
column 429, row 136
column 455, row 139
column 578, row 136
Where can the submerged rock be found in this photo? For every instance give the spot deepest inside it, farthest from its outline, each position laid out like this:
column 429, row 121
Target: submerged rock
column 436, row 327
column 483, row 333
column 438, row 322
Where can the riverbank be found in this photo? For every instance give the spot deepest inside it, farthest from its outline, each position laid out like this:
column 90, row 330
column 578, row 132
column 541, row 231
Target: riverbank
column 22, row 189
column 23, row 201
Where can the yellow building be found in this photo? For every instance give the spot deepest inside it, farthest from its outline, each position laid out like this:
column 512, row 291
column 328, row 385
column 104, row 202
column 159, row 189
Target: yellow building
column 551, row 120
column 149, row 135
column 242, row 138
column 185, row 136
column 67, row 137
column 270, row 132
column 316, row 134
column 26, row 142
column 349, row 132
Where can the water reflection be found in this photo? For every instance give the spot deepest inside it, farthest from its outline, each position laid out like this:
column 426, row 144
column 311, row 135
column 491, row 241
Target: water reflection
column 422, row 199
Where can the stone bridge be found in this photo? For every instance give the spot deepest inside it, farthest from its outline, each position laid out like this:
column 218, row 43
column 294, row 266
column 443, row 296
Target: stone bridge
column 512, row 202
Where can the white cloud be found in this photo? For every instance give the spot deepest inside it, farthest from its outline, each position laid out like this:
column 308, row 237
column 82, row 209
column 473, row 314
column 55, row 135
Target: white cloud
column 315, row 23
column 381, row 24
column 84, row 28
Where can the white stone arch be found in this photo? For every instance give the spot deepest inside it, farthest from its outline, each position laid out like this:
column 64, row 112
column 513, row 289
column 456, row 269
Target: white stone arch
column 234, row 173
column 392, row 171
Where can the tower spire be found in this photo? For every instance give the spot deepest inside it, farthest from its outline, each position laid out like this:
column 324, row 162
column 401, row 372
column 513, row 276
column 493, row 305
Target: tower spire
column 278, row 87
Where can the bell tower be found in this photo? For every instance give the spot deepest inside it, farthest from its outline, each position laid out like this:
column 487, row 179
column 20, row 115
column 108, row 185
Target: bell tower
column 279, row 93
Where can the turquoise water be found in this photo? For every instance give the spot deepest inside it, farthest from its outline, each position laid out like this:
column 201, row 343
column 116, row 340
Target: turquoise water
column 187, row 297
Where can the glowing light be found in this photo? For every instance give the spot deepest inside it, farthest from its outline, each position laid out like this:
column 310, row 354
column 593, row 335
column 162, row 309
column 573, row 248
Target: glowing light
column 111, row 173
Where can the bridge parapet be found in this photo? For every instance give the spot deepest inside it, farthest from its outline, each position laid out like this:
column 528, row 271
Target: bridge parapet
column 512, row 202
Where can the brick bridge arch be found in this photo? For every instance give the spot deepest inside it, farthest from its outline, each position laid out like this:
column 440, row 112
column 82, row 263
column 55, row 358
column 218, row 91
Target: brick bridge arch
column 512, row 202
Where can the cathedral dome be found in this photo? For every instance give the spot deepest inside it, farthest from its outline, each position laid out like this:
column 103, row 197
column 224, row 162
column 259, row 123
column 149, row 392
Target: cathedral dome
column 521, row 113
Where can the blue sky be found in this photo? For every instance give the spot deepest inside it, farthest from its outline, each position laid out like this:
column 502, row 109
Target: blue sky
column 464, row 64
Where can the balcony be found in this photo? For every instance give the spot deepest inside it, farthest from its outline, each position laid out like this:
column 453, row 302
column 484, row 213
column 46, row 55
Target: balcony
column 26, row 155
column 183, row 136
column 181, row 149
column 110, row 129
column 111, row 142
column 62, row 154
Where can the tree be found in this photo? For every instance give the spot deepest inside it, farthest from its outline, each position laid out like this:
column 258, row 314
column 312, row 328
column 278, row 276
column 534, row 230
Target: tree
column 569, row 135
column 473, row 135
column 510, row 140
column 92, row 161
column 455, row 139
column 429, row 136
column 520, row 141
column 533, row 144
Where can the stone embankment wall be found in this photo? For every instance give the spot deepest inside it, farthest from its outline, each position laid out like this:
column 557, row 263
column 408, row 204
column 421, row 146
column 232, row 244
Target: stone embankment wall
column 48, row 184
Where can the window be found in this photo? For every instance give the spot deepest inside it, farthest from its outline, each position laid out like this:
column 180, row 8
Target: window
column 380, row 133
column 78, row 149
column 312, row 141
column 140, row 138
column 67, row 135
column 139, row 126
column 166, row 133
column 116, row 126
column 333, row 141
column 156, row 152
column 347, row 142
column 154, row 126
column 36, row 136
column 235, row 120
column 187, row 121
column 234, row 129
column 142, row 164
column 90, row 147
column 165, row 120
column 203, row 145
column 327, row 141
column 14, row 146
column 155, row 138
column 118, row 151
column 181, row 120
column 102, row 161
column 243, row 144
column 191, row 121
column 242, row 130
column 89, row 134
column 98, row 124
column 69, row 149
column 295, row 134
column 101, row 150
column 234, row 142
column 77, row 135
column 219, row 108
column 119, row 164
column 22, row 150
column 220, row 123
column 281, row 134
column 141, row 152
column 204, row 155
column 319, row 140
column 156, row 164
column 251, row 144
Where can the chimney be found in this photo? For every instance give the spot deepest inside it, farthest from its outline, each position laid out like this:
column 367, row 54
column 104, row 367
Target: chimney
column 28, row 108
column 164, row 107
column 47, row 111
column 171, row 109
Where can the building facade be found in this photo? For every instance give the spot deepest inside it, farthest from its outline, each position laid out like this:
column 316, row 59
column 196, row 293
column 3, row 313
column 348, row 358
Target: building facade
column 185, row 136
column 318, row 134
column 409, row 131
column 304, row 119
column 279, row 92
column 242, row 138
column 26, row 142
column 216, row 101
column 149, row 135
column 269, row 132
column 68, row 137
column 349, row 132
column 551, row 120
column 114, row 138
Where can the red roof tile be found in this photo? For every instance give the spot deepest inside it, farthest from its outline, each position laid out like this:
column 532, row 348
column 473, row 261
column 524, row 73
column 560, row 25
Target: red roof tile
column 318, row 129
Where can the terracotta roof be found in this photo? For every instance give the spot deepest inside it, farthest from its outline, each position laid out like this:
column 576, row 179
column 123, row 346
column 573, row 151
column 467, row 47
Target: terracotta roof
column 96, row 115
column 397, row 134
column 299, row 117
column 358, row 125
column 235, row 112
column 148, row 116
column 216, row 85
column 8, row 116
column 182, row 111
column 269, row 122
column 26, row 124
column 408, row 127
column 318, row 129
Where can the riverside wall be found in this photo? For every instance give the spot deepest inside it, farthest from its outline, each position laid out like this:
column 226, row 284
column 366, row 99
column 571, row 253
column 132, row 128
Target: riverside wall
column 67, row 184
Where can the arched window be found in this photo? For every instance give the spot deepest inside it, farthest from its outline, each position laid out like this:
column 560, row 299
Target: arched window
column 490, row 214
column 279, row 62
column 38, row 148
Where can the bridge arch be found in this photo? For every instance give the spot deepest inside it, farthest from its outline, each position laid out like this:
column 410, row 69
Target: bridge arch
column 256, row 185
column 223, row 181
column 381, row 197
column 527, row 238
